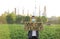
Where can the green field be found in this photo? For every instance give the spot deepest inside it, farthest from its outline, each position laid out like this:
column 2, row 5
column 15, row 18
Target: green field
column 16, row 31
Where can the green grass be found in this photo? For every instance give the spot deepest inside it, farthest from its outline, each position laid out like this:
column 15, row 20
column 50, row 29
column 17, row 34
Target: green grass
column 4, row 32
column 16, row 31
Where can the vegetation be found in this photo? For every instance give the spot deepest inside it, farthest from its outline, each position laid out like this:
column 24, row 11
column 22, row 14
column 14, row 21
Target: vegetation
column 16, row 31
column 12, row 18
column 44, row 19
column 11, row 27
column 27, row 18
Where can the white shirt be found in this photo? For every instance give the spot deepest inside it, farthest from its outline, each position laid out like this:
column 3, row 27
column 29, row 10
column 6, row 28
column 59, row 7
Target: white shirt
column 33, row 33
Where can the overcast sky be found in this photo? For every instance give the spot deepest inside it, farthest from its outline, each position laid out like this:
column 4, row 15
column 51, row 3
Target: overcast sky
column 52, row 6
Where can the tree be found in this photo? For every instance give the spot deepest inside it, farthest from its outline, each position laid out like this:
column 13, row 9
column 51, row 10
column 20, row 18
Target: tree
column 44, row 19
column 58, row 20
column 11, row 18
column 27, row 19
column 19, row 19
column 3, row 18
column 38, row 19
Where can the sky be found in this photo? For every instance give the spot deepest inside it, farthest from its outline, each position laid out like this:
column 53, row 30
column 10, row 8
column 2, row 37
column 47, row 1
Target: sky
column 52, row 6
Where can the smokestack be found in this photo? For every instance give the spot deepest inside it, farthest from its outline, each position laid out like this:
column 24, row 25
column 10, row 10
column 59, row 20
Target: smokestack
column 15, row 10
column 8, row 11
column 44, row 13
column 39, row 11
column 27, row 12
column 23, row 11
column 45, row 9
column 34, row 12
column 18, row 11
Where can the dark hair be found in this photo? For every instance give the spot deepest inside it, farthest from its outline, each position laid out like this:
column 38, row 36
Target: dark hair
column 33, row 16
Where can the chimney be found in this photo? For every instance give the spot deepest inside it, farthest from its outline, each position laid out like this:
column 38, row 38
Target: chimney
column 15, row 10
column 39, row 11
column 44, row 13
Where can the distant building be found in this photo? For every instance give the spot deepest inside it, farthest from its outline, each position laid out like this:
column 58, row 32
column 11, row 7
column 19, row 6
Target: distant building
column 53, row 20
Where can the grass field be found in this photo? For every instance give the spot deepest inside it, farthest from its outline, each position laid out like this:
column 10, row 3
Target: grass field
column 16, row 31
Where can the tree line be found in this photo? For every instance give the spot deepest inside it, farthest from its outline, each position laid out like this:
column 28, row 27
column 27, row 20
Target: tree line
column 11, row 18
